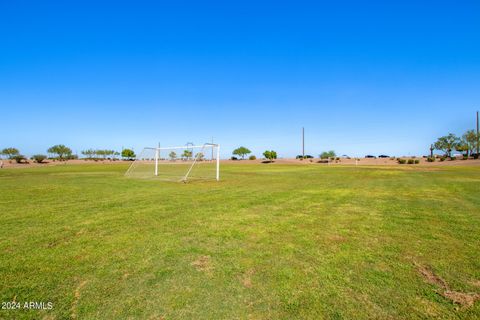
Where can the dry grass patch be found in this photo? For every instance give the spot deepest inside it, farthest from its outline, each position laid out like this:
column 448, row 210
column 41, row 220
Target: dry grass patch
column 203, row 264
column 77, row 295
column 466, row 300
column 246, row 278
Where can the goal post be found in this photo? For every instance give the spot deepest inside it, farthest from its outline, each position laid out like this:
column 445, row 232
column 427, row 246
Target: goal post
column 183, row 163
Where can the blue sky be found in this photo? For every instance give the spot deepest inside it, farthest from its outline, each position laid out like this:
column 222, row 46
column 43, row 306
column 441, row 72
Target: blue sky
column 361, row 77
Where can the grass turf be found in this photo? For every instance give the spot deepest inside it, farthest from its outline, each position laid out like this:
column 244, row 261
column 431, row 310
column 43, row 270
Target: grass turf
column 268, row 241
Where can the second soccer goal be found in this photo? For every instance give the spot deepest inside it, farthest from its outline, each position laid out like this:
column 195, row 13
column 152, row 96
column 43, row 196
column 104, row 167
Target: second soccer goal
column 190, row 162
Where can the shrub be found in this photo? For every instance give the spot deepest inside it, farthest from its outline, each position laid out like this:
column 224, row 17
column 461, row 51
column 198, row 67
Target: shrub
column 233, row 158
column 442, row 158
column 453, row 158
column 465, row 157
column 128, row 154
column 431, row 159
column 19, row 158
column 307, row 156
column 410, row 161
column 416, row 161
column 252, row 157
column 401, row 161
column 39, row 158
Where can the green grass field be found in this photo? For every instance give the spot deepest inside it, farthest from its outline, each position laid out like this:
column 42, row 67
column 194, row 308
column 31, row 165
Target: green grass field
column 266, row 242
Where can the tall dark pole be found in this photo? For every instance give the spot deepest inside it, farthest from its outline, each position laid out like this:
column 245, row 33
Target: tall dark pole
column 478, row 139
column 303, row 140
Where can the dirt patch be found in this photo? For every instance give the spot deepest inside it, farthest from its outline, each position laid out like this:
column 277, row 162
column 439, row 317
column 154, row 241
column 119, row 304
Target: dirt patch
column 203, row 264
column 337, row 238
column 476, row 283
column 466, row 300
column 432, row 278
column 77, row 295
column 247, row 279
column 361, row 162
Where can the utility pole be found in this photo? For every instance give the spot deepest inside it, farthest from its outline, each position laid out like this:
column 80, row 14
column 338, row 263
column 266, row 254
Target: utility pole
column 303, row 139
column 431, row 151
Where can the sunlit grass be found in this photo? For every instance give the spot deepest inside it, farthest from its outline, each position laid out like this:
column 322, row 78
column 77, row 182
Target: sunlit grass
column 268, row 241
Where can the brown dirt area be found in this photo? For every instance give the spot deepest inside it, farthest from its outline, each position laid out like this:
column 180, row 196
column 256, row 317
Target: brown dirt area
column 465, row 300
column 12, row 164
column 203, row 264
column 362, row 162
column 343, row 161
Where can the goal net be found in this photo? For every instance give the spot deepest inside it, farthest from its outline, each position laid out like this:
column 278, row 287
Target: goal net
column 177, row 163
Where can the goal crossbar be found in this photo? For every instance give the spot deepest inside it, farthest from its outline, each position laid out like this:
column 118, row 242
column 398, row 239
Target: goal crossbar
column 184, row 147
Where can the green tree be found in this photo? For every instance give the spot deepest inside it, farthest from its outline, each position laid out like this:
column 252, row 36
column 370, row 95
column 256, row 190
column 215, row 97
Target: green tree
column 327, row 154
column 128, row 154
column 101, row 152
column 469, row 139
column 10, row 152
column 111, row 153
column 200, row 156
column 241, row 151
column 187, row 154
column 172, row 155
column 462, row 147
column 60, row 150
column 447, row 143
column 270, row 155
column 89, row 153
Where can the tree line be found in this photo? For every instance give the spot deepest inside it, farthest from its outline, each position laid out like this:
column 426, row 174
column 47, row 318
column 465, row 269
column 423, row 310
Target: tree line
column 243, row 152
column 61, row 152
column 466, row 144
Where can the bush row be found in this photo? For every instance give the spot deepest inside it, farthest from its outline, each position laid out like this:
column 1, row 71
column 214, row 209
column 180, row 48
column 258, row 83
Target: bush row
column 408, row 161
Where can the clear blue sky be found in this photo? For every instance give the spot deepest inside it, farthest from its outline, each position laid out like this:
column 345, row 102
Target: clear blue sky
column 361, row 76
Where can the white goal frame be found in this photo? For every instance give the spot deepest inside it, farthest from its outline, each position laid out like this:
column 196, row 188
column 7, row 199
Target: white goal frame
column 184, row 178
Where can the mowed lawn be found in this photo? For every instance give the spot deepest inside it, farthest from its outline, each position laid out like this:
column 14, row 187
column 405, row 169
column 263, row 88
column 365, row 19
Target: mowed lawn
column 266, row 242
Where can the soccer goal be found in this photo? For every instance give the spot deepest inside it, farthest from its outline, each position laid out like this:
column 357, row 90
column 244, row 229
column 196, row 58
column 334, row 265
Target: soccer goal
column 178, row 163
